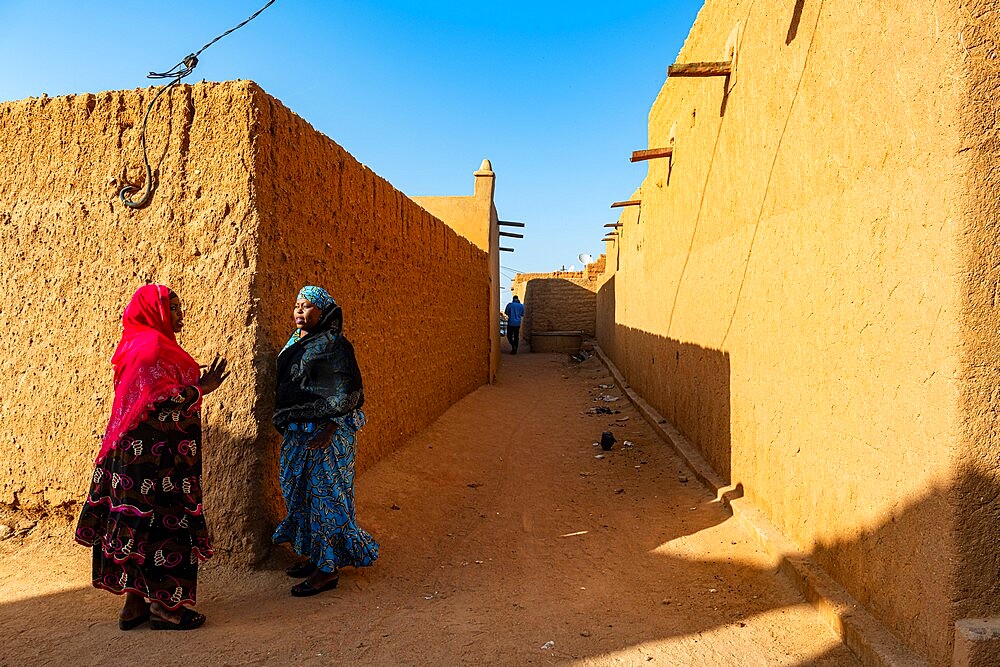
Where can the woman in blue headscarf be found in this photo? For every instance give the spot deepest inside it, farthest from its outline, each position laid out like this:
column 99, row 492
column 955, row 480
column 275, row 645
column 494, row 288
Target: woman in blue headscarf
column 318, row 413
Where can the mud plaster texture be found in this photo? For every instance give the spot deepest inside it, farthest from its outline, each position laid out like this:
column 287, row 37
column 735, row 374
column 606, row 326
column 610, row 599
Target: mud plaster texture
column 251, row 204
column 808, row 290
column 559, row 300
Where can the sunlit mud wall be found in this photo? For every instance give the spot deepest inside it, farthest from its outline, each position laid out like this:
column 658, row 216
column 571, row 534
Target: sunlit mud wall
column 252, row 203
column 475, row 219
column 808, row 290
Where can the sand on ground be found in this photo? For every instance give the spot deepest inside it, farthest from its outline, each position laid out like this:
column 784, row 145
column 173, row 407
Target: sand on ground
column 505, row 541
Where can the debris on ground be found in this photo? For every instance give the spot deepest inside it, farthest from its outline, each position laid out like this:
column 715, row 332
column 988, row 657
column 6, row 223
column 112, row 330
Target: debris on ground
column 580, row 356
column 547, row 645
column 607, row 398
column 628, row 443
column 607, row 440
column 601, row 410
column 606, row 386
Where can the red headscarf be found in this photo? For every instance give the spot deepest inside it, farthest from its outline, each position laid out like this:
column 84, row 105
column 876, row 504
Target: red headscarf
column 149, row 364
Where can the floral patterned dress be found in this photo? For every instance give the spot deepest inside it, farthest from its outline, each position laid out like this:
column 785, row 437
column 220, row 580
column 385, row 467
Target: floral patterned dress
column 143, row 515
column 318, row 485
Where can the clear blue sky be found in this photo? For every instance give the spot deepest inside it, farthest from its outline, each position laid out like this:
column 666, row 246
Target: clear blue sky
column 556, row 95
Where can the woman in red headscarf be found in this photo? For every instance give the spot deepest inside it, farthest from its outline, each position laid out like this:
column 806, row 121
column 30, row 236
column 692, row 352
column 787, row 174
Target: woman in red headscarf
column 143, row 516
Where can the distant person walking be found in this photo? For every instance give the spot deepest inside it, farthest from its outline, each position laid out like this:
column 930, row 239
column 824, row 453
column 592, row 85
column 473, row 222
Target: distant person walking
column 318, row 413
column 143, row 516
column 514, row 312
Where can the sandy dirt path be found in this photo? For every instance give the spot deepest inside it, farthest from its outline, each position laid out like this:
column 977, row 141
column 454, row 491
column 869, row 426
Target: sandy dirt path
column 504, row 542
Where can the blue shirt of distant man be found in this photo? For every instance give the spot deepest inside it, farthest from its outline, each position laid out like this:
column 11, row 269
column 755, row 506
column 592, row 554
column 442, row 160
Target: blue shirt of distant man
column 514, row 312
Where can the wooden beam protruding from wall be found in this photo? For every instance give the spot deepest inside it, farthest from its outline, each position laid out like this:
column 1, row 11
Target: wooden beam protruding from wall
column 651, row 154
column 512, row 235
column 630, row 202
column 722, row 68
column 508, row 223
column 506, row 249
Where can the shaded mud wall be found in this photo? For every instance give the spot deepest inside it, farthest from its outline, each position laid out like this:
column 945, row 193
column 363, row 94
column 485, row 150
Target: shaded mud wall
column 556, row 304
column 559, row 300
column 415, row 294
column 976, row 493
column 801, row 291
column 239, row 222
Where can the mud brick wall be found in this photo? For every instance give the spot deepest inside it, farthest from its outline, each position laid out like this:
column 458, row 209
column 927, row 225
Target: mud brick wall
column 808, row 290
column 560, row 300
column 252, row 203
column 415, row 293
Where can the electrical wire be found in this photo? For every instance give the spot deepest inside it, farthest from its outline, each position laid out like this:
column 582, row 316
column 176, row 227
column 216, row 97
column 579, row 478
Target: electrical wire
column 177, row 72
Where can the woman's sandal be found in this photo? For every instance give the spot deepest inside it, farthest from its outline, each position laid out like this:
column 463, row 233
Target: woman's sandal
column 306, row 589
column 302, row 569
column 134, row 622
column 190, row 620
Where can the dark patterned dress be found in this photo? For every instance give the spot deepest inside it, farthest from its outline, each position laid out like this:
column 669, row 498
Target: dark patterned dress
column 143, row 515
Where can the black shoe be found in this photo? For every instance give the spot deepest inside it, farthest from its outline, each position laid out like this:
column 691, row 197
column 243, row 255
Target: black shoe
column 306, row 589
column 300, row 570
column 190, row 620
column 134, row 622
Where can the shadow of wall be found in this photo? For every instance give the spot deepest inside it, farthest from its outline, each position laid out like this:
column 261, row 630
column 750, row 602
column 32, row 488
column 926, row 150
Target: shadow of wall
column 688, row 384
column 695, row 399
column 915, row 583
column 971, row 585
column 557, row 304
column 415, row 294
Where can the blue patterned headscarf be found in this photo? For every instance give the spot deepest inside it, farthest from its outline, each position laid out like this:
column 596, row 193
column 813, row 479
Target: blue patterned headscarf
column 318, row 296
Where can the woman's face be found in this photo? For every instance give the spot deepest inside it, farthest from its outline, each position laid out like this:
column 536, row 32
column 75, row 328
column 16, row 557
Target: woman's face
column 306, row 315
column 176, row 314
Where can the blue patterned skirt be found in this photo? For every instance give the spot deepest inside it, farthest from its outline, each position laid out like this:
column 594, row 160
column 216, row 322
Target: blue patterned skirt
column 318, row 485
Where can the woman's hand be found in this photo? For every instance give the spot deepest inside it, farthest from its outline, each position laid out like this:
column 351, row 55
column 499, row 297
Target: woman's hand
column 212, row 378
column 322, row 437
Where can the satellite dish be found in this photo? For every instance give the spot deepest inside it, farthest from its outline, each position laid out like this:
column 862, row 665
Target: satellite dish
column 585, row 258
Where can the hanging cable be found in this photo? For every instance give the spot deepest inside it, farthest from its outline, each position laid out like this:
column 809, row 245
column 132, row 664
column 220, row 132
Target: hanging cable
column 177, row 72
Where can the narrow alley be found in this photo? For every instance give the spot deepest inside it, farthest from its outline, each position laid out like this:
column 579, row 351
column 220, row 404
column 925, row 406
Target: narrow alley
column 508, row 537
